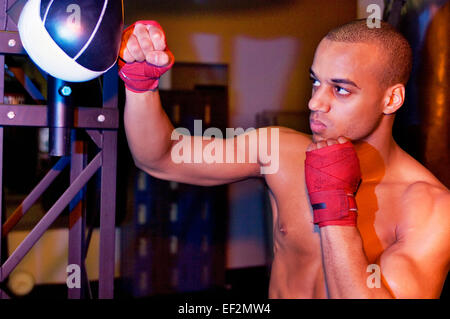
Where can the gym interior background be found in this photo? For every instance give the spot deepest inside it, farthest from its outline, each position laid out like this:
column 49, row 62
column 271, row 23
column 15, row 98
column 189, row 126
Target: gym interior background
column 238, row 64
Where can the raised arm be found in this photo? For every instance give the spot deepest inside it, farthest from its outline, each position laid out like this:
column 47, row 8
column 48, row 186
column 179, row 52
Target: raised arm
column 153, row 141
column 157, row 147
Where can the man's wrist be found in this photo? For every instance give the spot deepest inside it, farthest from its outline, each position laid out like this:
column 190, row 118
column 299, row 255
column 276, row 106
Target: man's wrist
column 350, row 220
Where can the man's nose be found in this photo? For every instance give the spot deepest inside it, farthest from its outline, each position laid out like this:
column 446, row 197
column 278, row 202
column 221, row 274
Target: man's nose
column 320, row 101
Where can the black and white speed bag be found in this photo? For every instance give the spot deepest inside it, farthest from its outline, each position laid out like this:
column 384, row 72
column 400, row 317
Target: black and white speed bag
column 73, row 40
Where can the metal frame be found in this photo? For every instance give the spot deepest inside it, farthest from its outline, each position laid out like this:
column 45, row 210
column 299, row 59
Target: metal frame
column 101, row 124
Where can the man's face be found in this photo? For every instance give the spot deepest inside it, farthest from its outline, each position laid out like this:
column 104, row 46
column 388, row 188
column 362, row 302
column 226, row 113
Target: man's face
column 346, row 96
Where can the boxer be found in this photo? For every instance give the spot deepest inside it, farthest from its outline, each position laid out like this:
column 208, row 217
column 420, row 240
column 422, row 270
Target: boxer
column 344, row 200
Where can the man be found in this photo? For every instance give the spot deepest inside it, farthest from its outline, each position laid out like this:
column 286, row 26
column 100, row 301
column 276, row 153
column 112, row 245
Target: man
column 327, row 243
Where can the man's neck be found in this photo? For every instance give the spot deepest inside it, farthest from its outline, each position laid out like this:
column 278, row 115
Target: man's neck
column 374, row 157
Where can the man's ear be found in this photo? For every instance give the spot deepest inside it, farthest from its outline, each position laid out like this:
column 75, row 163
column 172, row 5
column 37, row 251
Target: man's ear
column 395, row 97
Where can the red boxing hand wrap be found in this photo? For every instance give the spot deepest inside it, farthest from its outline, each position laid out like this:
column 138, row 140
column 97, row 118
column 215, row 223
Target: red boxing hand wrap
column 332, row 177
column 141, row 77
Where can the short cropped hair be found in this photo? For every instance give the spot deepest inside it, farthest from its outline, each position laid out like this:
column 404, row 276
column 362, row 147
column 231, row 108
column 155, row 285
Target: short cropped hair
column 398, row 53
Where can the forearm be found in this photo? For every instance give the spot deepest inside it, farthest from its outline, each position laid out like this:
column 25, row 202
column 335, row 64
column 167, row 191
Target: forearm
column 147, row 127
column 346, row 265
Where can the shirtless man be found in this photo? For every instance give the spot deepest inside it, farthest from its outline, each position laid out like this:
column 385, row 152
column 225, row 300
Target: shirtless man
column 403, row 222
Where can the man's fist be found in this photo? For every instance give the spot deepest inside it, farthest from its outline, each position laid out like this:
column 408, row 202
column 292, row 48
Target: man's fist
column 332, row 176
column 144, row 56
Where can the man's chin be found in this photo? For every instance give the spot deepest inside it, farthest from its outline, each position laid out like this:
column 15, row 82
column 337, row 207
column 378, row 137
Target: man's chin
column 318, row 138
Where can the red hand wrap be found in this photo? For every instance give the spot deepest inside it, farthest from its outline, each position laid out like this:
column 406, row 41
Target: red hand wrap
column 142, row 76
column 332, row 177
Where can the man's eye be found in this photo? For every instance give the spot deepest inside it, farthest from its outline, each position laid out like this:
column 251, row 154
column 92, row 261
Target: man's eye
column 342, row 91
column 315, row 82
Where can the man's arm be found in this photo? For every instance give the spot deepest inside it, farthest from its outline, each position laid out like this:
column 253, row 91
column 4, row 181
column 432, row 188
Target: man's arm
column 157, row 147
column 346, row 265
column 144, row 57
column 150, row 137
column 417, row 265
column 413, row 267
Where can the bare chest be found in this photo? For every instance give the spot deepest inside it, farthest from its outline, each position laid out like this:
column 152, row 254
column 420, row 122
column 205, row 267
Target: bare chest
column 294, row 231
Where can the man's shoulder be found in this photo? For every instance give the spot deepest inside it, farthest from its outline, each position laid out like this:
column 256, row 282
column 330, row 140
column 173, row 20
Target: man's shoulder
column 423, row 196
column 422, row 189
column 426, row 203
column 291, row 151
column 425, row 219
column 292, row 138
column 291, row 144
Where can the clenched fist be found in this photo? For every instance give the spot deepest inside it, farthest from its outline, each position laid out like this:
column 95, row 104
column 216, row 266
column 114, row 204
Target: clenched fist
column 144, row 56
column 332, row 174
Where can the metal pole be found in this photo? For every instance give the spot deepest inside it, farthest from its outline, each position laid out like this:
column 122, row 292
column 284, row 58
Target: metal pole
column 3, row 243
column 34, row 196
column 108, row 192
column 60, row 116
column 77, row 215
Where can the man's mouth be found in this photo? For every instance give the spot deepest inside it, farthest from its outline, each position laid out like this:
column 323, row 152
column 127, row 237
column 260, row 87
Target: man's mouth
column 316, row 126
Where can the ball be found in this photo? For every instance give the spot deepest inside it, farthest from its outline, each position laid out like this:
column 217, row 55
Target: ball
column 73, row 40
column 21, row 282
